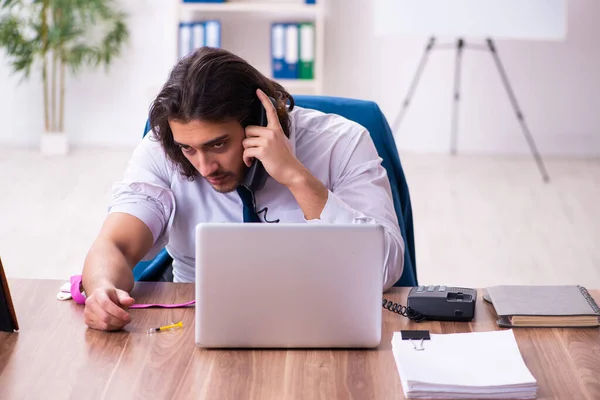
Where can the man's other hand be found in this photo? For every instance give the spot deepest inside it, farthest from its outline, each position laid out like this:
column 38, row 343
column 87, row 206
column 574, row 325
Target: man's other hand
column 106, row 309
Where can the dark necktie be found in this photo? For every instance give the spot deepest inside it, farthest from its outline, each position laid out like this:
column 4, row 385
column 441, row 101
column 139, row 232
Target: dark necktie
column 247, row 200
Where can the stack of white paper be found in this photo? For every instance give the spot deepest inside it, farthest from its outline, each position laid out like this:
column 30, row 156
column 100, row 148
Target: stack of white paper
column 464, row 365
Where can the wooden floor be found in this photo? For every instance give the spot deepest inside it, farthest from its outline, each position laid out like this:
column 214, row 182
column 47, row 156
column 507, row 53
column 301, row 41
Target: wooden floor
column 479, row 221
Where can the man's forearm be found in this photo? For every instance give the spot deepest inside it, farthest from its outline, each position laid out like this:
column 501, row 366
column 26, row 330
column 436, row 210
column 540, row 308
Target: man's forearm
column 310, row 194
column 106, row 265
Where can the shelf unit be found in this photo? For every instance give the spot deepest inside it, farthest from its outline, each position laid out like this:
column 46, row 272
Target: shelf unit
column 274, row 10
column 252, row 6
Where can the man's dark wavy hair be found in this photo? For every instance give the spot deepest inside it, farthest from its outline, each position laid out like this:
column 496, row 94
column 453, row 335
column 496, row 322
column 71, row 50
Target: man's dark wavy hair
column 212, row 85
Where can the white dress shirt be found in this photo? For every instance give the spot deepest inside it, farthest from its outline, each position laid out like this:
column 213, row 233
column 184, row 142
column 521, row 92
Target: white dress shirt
column 338, row 152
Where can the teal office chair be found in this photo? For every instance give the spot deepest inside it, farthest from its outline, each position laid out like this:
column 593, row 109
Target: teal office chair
column 367, row 114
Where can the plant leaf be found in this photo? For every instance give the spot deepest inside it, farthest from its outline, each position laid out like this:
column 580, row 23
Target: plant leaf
column 82, row 32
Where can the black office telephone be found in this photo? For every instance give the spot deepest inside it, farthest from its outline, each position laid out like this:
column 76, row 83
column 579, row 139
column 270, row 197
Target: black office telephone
column 256, row 177
column 437, row 303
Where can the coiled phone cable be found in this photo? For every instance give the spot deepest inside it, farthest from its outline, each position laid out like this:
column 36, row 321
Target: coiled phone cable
column 403, row 310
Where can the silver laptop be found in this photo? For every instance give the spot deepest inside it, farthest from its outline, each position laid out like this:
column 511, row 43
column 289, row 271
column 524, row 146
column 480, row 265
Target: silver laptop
column 289, row 285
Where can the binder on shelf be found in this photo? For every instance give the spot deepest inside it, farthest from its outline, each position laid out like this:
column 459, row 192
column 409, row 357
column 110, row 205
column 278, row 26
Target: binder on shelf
column 198, row 35
column 213, row 33
column 306, row 63
column 277, row 50
column 185, row 39
column 293, row 50
column 290, row 59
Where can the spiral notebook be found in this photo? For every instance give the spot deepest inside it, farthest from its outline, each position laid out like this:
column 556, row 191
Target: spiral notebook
column 559, row 306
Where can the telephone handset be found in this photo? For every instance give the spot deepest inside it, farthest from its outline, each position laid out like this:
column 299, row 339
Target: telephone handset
column 256, row 177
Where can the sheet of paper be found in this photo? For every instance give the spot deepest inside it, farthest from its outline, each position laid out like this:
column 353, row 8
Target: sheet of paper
column 476, row 359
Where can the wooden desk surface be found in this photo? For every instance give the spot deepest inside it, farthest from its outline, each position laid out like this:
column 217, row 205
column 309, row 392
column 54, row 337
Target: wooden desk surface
column 55, row 356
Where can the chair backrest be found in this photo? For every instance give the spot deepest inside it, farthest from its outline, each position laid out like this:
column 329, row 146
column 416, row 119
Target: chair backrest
column 369, row 115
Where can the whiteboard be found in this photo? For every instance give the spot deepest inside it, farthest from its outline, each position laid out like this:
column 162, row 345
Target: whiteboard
column 511, row 19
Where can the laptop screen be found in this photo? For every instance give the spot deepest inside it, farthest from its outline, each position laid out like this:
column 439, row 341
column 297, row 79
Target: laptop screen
column 8, row 318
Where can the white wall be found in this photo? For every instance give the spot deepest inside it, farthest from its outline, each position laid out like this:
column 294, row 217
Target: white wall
column 557, row 84
column 101, row 108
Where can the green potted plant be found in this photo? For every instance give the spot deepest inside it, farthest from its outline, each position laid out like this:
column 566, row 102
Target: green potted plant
column 56, row 35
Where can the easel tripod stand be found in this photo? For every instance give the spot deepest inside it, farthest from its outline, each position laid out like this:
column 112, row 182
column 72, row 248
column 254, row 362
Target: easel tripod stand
column 460, row 45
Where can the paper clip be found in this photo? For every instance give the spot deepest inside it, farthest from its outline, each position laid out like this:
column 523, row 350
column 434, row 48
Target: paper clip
column 411, row 335
column 166, row 327
column 420, row 348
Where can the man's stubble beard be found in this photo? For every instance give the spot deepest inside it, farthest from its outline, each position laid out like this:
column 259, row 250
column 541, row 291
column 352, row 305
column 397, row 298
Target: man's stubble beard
column 242, row 174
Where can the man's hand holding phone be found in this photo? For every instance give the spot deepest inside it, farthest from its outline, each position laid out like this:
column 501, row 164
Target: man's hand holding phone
column 270, row 145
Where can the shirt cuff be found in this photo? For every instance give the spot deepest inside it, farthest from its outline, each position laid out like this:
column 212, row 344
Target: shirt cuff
column 336, row 211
